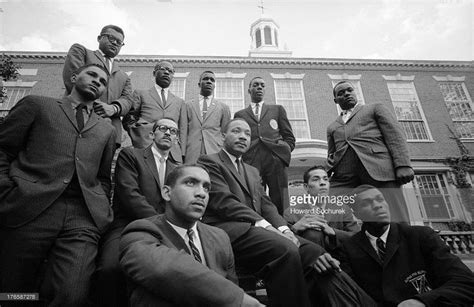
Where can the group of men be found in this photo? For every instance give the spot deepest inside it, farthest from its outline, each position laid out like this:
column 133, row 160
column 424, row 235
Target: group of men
column 175, row 234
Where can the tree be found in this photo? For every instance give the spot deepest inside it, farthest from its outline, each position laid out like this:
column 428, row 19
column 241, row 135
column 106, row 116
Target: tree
column 8, row 71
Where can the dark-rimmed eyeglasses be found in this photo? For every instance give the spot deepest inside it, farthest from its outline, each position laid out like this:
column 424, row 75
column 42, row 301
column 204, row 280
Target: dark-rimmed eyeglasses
column 163, row 128
column 162, row 68
column 114, row 40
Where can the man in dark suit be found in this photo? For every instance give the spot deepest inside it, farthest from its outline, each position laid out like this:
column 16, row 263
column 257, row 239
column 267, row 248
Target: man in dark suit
column 55, row 162
column 116, row 100
column 402, row 265
column 139, row 175
column 321, row 218
column 261, row 240
column 366, row 145
column 173, row 259
column 155, row 103
column 272, row 142
column 207, row 118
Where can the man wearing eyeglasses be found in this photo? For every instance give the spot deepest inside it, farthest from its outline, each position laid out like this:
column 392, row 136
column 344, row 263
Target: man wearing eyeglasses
column 116, row 99
column 153, row 104
column 139, row 175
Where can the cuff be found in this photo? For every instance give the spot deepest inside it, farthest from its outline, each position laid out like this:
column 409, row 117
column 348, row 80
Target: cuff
column 284, row 228
column 262, row 223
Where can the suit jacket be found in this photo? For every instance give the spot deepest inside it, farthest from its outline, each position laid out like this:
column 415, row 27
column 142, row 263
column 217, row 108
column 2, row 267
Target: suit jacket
column 376, row 137
column 273, row 131
column 415, row 258
column 147, row 106
column 137, row 186
column 339, row 218
column 41, row 148
column 235, row 205
column 207, row 132
column 159, row 264
column 119, row 87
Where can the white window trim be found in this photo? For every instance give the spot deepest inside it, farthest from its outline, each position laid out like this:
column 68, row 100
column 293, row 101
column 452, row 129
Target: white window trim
column 295, row 77
column 19, row 83
column 230, row 75
column 288, row 75
column 180, row 75
column 28, row 71
column 411, row 79
column 449, row 78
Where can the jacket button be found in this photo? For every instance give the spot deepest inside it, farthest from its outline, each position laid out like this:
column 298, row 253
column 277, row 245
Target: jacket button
column 66, row 181
column 80, row 135
column 77, row 158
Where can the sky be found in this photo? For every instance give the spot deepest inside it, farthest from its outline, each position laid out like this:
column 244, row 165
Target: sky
column 369, row 29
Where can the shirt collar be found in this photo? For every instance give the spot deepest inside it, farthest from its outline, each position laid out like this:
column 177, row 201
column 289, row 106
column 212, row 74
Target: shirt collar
column 158, row 89
column 349, row 110
column 75, row 104
column 103, row 54
column 155, row 151
column 183, row 232
column 201, row 97
column 231, row 156
column 254, row 103
column 383, row 236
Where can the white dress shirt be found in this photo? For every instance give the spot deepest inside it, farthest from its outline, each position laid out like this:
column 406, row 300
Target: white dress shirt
column 253, row 105
column 158, row 90
column 373, row 240
column 183, row 233
column 158, row 156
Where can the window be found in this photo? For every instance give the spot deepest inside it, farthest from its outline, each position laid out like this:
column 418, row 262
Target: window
column 433, row 196
column 14, row 94
column 408, row 110
column 230, row 90
column 178, row 86
column 460, row 107
column 258, row 37
column 267, row 33
column 289, row 93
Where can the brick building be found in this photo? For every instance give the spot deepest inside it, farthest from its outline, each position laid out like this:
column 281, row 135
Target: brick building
column 431, row 99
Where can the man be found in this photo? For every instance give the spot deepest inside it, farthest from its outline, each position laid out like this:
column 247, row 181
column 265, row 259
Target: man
column 139, row 175
column 116, row 99
column 173, row 259
column 322, row 219
column 402, row 265
column 272, row 142
column 55, row 162
column 207, row 118
column 366, row 145
column 261, row 240
column 155, row 103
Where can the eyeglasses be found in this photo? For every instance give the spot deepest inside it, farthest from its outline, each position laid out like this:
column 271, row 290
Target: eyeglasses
column 169, row 70
column 114, row 40
column 163, row 128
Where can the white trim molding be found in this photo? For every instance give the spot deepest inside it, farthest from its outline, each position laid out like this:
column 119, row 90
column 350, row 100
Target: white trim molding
column 449, row 78
column 28, row 71
column 19, row 83
column 180, row 74
column 344, row 76
column 288, row 75
column 230, row 75
column 399, row 77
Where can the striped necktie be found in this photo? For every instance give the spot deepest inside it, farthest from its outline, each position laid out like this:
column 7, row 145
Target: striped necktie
column 381, row 248
column 194, row 249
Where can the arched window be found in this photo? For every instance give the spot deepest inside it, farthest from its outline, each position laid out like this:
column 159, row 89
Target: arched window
column 268, row 35
column 276, row 37
column 258, row 38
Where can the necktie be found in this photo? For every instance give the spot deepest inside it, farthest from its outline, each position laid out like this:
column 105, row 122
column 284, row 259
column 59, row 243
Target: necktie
column 194, row 249
column 80, row 116
column 161, row 171
column 380, row 248
column 257, row 107
column 204, row 107
column 240, row 169
column 109, row 63
column 163, row 97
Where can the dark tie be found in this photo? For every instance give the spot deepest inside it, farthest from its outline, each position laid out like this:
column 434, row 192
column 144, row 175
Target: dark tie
column 163, row 97
column 380, row 248
column 194, row 249
column 240, row 168
column 257, row 110
column 80, row 116
column 204, row 107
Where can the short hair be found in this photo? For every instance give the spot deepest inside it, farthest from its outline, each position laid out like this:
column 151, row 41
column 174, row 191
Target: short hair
column 226, row 127
column 340, row 82
column 204, row 72
column 177, row 172
column 309, row 170
column 362, row 188
column 113, row 27
column 251, row 80
column 158, row 64
column 155, row 123
column 80, row 69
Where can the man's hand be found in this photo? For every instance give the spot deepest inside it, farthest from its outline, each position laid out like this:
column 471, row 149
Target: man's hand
column 404, row 174
column 313, row 221
column 249, row 301
column 411, row 303
column 326, row 263
column 288, row 234
column 103, row 109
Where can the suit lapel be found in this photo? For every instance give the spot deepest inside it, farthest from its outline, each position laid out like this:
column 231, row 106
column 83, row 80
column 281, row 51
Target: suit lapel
column 251, row 114
column 172, row 235
column 364, row 243
column 197, row 110
column 170, row 100
column 210, row 108
column 93, row 120
column 356, row 109
column 170, row 166
column 101, row 58
column 66, row 106
column 154, row 95
column 393, row 242
column 263, row 111
column 150, row 162
column 207, row 246
column 230, row 165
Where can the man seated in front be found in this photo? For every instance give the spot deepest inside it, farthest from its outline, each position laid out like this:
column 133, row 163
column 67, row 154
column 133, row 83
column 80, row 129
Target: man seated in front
column 296, row 272
column 173, row 259
column 402, row 265
column 324, row 219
